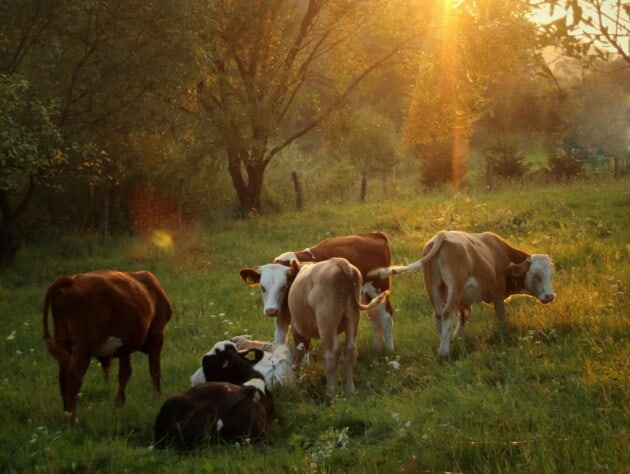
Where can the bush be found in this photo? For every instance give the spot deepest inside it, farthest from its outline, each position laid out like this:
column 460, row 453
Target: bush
column 506, row 160
column 566, row 164
column 436, row 162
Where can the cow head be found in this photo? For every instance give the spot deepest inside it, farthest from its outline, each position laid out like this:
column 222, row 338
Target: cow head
column 226, row 364
column 285, row 258
column 535, row 275
column 274, row 280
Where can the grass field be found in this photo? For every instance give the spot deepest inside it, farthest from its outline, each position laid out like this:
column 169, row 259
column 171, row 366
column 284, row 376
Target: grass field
column 551, row 395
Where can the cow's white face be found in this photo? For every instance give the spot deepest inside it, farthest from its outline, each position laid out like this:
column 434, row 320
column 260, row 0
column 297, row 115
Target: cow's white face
column 274, row 281
column 539, row 277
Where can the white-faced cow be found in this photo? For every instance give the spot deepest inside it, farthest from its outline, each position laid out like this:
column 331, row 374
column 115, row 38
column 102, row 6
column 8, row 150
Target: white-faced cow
column 234, row 405
column 275, row 364
column 324, row 301
column 461, row 269
column 365, row 251
column 104, row 314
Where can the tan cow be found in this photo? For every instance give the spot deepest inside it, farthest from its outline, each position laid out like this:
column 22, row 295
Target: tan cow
column 324, row 301
column 365, row 251
column 461, row 269
column 104, row 314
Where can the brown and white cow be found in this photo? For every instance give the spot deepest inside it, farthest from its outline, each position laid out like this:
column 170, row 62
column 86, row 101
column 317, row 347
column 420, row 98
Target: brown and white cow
column 104, row 314
column 461, row 269
column 324, row 301
column 365, row 251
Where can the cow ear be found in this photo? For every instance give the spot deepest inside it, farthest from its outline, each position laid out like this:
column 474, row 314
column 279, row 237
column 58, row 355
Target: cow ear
column 517, row 269
column 295, row 266
column 250, row 276
column 253, row 356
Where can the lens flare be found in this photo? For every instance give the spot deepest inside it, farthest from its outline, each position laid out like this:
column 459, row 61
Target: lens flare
column 162, row 240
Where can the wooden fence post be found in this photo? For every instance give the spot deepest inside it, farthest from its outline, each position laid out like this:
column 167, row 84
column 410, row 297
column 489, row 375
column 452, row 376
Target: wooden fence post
column 489, row 176
column 298, row 191
column 363, row 186
column 106, row 215
column 616, row 167
column 180, row 193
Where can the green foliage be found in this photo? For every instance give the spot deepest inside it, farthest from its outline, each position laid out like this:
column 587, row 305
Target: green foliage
column 31, row 146
column 567, row 163
column 550, row 395
column 437, row 162
column 506, row 160
column 587, row 29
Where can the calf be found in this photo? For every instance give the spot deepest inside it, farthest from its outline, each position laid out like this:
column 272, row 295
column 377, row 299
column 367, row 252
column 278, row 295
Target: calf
column 104, row 314
column 275, row 363
column 365, row 251
column 325, row 300
column 234, row 405
column 461, row 269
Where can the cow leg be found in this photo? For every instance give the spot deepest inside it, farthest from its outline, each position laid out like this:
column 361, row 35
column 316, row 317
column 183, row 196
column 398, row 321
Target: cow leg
column 351, row 352
column 330, row 345
column 64, row 378
column 464, row 314
column 124, row 373
column 281, row 330
column 302, row 345
column 106, row 363
column 446, row 323
column 155, row 369
column 80, row 362
column 381, row 319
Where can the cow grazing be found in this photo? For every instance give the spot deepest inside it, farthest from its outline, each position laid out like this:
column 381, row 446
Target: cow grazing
column 461, row 269
column 324, row 301
column 275, row 363
column 365, row 251
column 234, row 405
column 104, row 314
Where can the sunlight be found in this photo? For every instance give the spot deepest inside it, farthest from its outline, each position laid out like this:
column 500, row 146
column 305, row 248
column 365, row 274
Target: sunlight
column 448, row 86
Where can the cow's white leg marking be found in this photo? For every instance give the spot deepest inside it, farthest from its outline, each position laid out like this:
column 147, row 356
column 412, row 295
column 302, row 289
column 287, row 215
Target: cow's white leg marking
column 447, row 322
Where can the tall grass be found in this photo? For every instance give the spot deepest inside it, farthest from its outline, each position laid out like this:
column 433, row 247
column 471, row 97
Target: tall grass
column 550, row 395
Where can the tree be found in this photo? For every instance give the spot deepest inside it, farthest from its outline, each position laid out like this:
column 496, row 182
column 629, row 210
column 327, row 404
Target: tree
column 586, row 28
column 115, row 71
column 275, row 69
column 31, row 148
column 477, row 43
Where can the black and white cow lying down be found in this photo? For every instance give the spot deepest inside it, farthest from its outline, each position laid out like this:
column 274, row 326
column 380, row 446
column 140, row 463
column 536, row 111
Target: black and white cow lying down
column 275, row 365
column 234, row 405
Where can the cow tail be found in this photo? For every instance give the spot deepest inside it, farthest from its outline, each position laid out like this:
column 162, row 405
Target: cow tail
column 436, row 243
column 357, row 284
column 54, row 349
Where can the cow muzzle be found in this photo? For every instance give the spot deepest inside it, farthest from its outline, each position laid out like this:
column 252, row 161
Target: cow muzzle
column 271, row 312
column 548, row 298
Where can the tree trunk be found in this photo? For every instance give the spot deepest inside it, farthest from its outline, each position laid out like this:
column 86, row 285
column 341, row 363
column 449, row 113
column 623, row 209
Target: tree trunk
column 8, row 247
column 363, row 187
column 248, row 192
column 299, row 203
column 8, row 243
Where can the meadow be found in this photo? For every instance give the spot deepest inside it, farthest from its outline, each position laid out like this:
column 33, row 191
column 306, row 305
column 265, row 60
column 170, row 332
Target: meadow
column 549, row 395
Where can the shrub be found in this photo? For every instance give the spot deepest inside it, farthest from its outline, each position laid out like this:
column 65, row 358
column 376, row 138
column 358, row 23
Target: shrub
column 566, row 164
column 506, row 160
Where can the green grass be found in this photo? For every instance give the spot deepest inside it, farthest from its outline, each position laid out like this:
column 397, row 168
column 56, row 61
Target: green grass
column 550, row 395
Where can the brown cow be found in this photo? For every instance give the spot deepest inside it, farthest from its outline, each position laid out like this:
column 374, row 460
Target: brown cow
column 364, row 251
column 104, row 314
column 461, row 269
column 325, row 300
